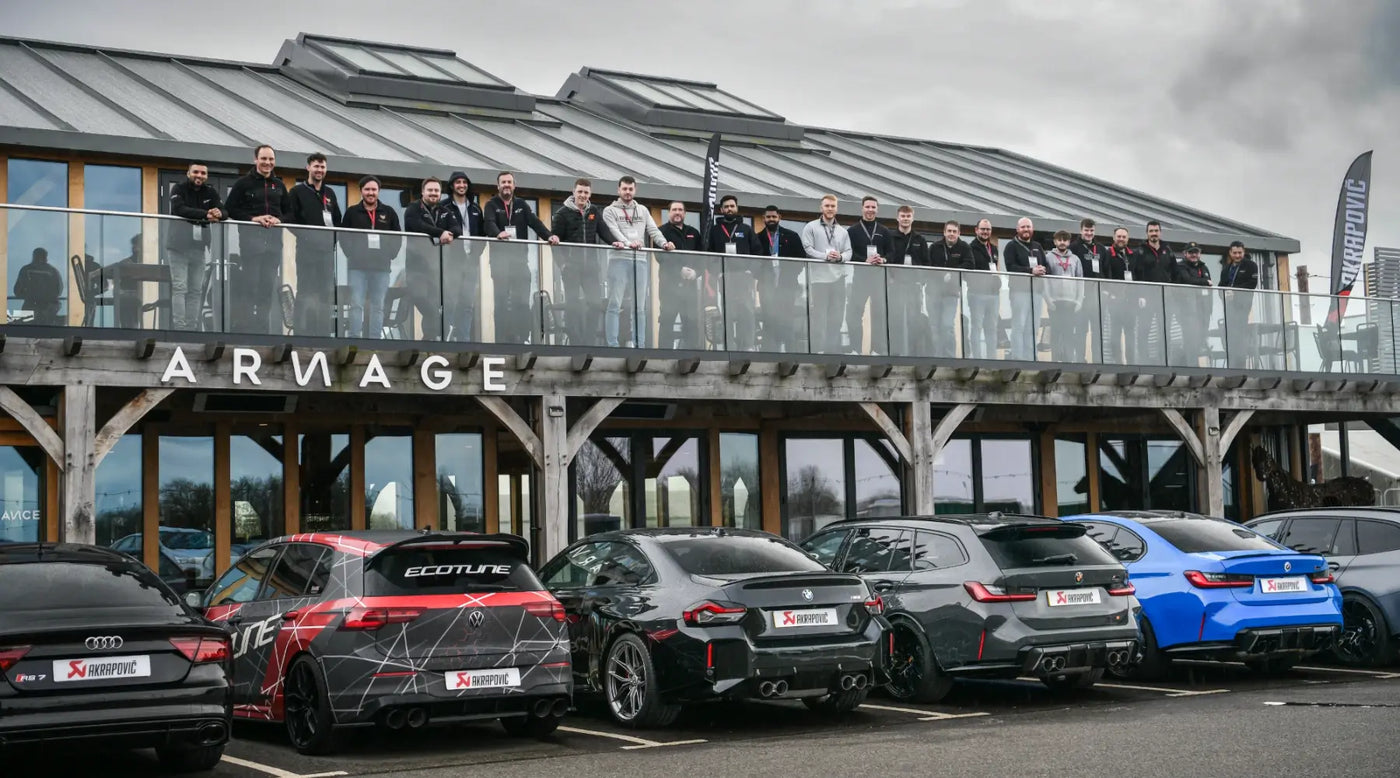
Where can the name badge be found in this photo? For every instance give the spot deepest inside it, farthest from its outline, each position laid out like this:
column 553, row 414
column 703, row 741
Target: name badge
column 199, row 232
column 870, row 251
column 731, row 248
column 908, row 260
column 1035, row 261
column 1093, row 264
column 373, row 241
column 1127, row 275
column 326, row 217
column 947, row 278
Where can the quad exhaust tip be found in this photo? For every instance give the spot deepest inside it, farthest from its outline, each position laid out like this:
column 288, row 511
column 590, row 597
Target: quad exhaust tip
column 1052, row 664
column 417, row 718
column 542, row 708
column 773, row 688
column 849, row 682
column 396, row 718
column 559, row 708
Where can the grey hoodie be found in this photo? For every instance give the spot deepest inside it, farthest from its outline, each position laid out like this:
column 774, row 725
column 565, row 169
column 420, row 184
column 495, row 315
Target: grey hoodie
column 1062, row 270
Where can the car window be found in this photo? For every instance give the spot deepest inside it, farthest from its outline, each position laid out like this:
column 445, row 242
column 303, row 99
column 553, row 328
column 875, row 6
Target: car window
column 825, row 546
column 292, row 575
column 738, row 555
column 1127, row 546
column 32, row 591
column 1345, row 543
column 1272, row 528
column 575, row 568
column 1377, row 537
column 1101, row 532
column 1039, row 547
column 1311, row 536
column 1194, row 536
column 623, row 565
column 934, row 550
column 128, row 544
column 454, row 569
column 241, row 582
column 878, row 550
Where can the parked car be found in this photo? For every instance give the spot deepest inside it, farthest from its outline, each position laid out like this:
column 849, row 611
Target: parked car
column 988, row 595
column 659, row 618
column 1212, row 589
column 95, row 648
column 1362, row 546
column 191, row 549
column 396, row 628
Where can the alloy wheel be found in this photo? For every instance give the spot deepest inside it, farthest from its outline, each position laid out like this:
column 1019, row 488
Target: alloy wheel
column 907, row 665
column 626, row 681
column 1359, row 633
column 299, row 704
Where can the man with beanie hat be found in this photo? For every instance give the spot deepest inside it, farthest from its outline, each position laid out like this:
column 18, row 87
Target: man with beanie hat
column 461, row 263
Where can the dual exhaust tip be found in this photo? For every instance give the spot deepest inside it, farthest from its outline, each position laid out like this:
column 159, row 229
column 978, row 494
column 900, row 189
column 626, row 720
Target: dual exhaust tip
column 410, row 718
column 1054, row 663
column 773, row 688
column 1119, row 658
column 546, row 708
column 858, row 681
column 212, row 734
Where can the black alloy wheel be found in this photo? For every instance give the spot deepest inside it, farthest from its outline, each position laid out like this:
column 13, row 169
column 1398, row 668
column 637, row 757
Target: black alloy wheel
column 306, row 709
column 914, row 672
column 1365, row 639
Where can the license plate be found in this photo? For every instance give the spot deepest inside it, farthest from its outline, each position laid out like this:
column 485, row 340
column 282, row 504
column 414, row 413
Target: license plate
column 1057, row 597
column 1283, row 585
column 811, row 617
column 503, row 678
column 108, row 668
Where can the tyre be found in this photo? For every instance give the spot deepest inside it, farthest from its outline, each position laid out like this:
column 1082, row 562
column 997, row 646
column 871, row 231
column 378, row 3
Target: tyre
column 1075, row 682
column 1272, row 665
column 914, row 672
column 1365, row 639
column 306, row 709
column 629, row 686
column 530, row 725
column 1153, row 665
column 191, row 759
column 837, row 703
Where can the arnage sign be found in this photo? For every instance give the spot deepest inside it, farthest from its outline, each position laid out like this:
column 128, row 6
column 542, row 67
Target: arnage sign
column 435, row 371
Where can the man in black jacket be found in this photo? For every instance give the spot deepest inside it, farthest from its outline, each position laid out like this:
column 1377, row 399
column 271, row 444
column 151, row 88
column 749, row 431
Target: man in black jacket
column 870, row 244
column 1023, row 255
column 947, row 257
column 507, row 219
column 1239, row 277
column 257, row 198
column 678, row 281
column 983, row 297
column 1093, row 259
column 461, row 265
column 1119, row 308
column 731, row 236
column 186, row 244
column 1155, row 264
column 39, row 286
column 1191, row 309
column 910, row 333
column 423, row 269
column 579, row 221
column 779, row 290
column 313, row 203
column 368, row 256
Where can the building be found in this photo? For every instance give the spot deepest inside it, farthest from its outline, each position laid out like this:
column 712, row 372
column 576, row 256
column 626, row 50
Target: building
column 1383, row 274
column 119, row 426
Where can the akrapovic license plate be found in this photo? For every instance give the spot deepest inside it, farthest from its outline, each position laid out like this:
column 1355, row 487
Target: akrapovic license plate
column 503, row 678
column 810, row 617
column 1057, row 597
column 108, row 668
column 1288, row 585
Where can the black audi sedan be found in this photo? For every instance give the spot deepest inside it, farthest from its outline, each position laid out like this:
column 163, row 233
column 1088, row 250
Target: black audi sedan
column 659, row 618
column 95, row 648
column 988, row 595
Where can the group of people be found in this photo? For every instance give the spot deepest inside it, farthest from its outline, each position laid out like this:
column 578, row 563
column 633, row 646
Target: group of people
column 721, row 289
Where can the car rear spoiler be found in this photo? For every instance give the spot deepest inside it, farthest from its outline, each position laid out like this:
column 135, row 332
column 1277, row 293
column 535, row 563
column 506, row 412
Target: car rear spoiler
column 514, row 544
column 1027, row 529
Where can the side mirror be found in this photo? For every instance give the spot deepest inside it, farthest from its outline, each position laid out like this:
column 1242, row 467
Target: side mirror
column 195, row 600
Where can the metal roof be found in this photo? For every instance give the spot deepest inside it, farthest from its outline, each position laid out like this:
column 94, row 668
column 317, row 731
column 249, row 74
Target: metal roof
column 409, row 112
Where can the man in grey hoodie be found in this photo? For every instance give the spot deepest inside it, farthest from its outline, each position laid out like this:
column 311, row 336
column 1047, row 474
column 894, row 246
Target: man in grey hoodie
column 825, row 241
column 1064, row 293
column 628, row 268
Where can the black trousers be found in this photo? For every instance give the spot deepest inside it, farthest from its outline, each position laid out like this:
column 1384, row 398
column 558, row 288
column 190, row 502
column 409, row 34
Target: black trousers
column 867, row 287
column 680, row 299
column 510, row 277
column 584, row 300
column 253, row 302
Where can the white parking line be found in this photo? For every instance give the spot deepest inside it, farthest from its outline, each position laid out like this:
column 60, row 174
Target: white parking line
column 637, row 742
column 1166, row 691
column 277, row 772
column 1372, row 673
column 924, row 715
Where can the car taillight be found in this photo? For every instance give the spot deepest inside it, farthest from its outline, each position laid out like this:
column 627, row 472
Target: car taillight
column 202, row 650
column 1323, row 578
column 9, row 657
column 875, row 606
column 987, row 593
column 1202, row 580
column 1122, row 590
column 546, row 610
column 375, row 618
column 708, row 613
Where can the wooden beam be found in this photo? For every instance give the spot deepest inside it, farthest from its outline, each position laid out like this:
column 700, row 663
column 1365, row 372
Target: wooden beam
column 635, row 364
column 554, row 474
column 589, row 421
column 714, row 467
column 34, row 424
column 52, row 482
column 79, row 496
column 121, row 421
column 1236, row 423
column 1185, row 432
column 892, row 431
column 359, row 519
column 223, row 510
column 947, row 425
column 1212, row 463
column 425, row 496
column 150, row 497
column 1091, row 464
column 770, row 477
column 507, row 416
column 920, row 464
column 1049, row 477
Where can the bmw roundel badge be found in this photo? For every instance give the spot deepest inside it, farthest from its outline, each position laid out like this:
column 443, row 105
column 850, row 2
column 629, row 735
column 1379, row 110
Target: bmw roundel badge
column 1287, row 567
column 806, row 594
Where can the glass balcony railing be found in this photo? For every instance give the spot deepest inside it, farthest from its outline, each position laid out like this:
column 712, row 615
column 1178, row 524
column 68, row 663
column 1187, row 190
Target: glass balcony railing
column 314, row 282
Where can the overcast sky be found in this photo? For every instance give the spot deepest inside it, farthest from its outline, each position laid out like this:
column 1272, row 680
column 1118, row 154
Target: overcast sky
column 1250, row 109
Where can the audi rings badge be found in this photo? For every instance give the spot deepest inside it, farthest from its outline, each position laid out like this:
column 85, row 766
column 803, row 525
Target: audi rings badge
column 475, row 619
column 103, row 642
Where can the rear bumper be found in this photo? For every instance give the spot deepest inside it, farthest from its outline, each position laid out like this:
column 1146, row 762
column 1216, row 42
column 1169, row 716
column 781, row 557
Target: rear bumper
column 1077, row 657
column 1264, row 642
column 184, row 716
column 365, row 699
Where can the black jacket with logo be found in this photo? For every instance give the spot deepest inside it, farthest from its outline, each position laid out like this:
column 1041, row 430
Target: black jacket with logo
column 862, row 235
column 1017, row 255
column 914, row 245
column 586, row 226
column 255, row 195
column 1092, row 256
column 789, row 247
column 520, row 220
column 685, row 238
column 306, row 206
column 957, row 256
column 192, row 203
column 1192, row 273
column 432, row 221
column 727, row 229
column 1154, row 265
column 358, row 253
column 984, row 257
column 1116, row 262
column 1245, row 277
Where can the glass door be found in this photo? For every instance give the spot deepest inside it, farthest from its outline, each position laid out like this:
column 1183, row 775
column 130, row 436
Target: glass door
column 21, row 494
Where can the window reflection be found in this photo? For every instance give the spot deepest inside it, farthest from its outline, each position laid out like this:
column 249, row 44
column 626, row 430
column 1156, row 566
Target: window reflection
column 389, row 479
column 1117, row 471
column 952, row 478
column 324, row 481
column 460, row 501
column 255, row 490
column 816, row 485
column 739, row 488
column 673, row 482
column 37, row 243
column 21, row 493
column 1168, row 475
column 118, row 491
column 877, row 484
column 1008, row 476
column 108, row 240
column 602, row 497
column 186, row 500
column 1071, row 477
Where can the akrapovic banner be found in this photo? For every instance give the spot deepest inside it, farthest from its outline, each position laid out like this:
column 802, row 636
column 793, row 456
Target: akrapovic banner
column 711, row 194
column 1349, row 234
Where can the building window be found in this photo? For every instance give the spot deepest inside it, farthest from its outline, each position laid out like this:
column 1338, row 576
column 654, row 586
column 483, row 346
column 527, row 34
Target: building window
column 110, row 242
column 953, row 480
column 877, row 490
column 255, row 490
column 639, row 479
column 21, row 494
column 1071, row 476
column 740, row 497
column 460, row 499
column 670, row 472
column 389, row 479
column 984, row 473
column 1140, row 474
column 828, row 479
column 37, row 243
column 118, row 508
column 324, row 481
column 186, row 500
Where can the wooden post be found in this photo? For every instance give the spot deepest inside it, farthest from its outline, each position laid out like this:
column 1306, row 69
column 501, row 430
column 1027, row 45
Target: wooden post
column 770, row 479
column 223, row 494
column 1212, row 483
column 150, row 497
column 79, row 493
column 358, row 518
column 1049, row 475
column 715, row 467
column 1091, row 466
column 921, row 461
column 425, row 496
column 77, row 226
column 554, row 440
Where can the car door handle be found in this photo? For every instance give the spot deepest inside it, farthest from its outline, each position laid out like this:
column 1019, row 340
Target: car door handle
column 884, row 586
column 292, row 615
column 1334, row 566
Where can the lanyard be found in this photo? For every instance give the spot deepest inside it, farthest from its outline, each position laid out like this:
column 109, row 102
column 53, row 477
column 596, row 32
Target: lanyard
column 1234, row 271
column 830, row 234
column 721, row 226
column 773, row 243
column 991, row 257
column 869, row 234
column 1063, row 262
column 626, row 215
column 371, row 212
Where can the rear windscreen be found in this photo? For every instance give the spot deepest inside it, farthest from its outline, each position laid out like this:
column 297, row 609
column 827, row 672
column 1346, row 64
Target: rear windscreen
column 44, row 587
column 1193, row 536
column 721, row 555
column 1045, row 550
column 456, row 570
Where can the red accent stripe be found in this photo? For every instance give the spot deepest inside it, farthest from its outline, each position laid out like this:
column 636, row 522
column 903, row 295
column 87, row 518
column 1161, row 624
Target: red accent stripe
column 981, row 643
column 399, row 674
column 556, row 664
column 1202, row 635
column 710, row 656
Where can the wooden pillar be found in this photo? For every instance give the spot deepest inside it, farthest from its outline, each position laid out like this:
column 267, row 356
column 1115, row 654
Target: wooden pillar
column 52, row 478
column 79, row 493
column 1049, row 475
column 770, row 479
column 4, row 217
column 358, row 519
column 425, row 496
column 1091, row 467
column 150, row 497
column 922, row 450
column 1211, row 483
column 223, row 496
column 554, row 480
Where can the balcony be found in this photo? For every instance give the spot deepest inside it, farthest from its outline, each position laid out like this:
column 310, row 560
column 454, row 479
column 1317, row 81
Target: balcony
column 246, row 283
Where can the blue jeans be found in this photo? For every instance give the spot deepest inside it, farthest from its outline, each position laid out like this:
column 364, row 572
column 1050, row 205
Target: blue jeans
column 625, row 274
column 367, row 290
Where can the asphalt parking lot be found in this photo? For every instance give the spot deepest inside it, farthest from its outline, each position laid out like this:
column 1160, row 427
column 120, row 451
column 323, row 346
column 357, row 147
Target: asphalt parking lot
column 589, row 736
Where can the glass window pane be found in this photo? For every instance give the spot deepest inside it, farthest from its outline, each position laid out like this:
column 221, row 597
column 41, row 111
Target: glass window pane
column 1008, row 476
column 1269, row 528
column 1196, row 536
column 1118, row 481
column 411, row 64
column 825, row 546
column 460, row 498
column 952, row 478
column 255, row 490
column 324, row 481
column 1071, row 477
column 601, row 493
column 292, row 575
column 118, row 486
column 21, row 493
column 1377, row 537
column 1168, row 476
column 389, row 480
column 740, row 503
column 37, row 242
column 462, row 70
column 362, row 59
column 816, row 485
column 186, row 467
column 674, row 483
column 877, row 483
column 933, row 551
column 241, row 582
column 1312, row 536
column 878, row 550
